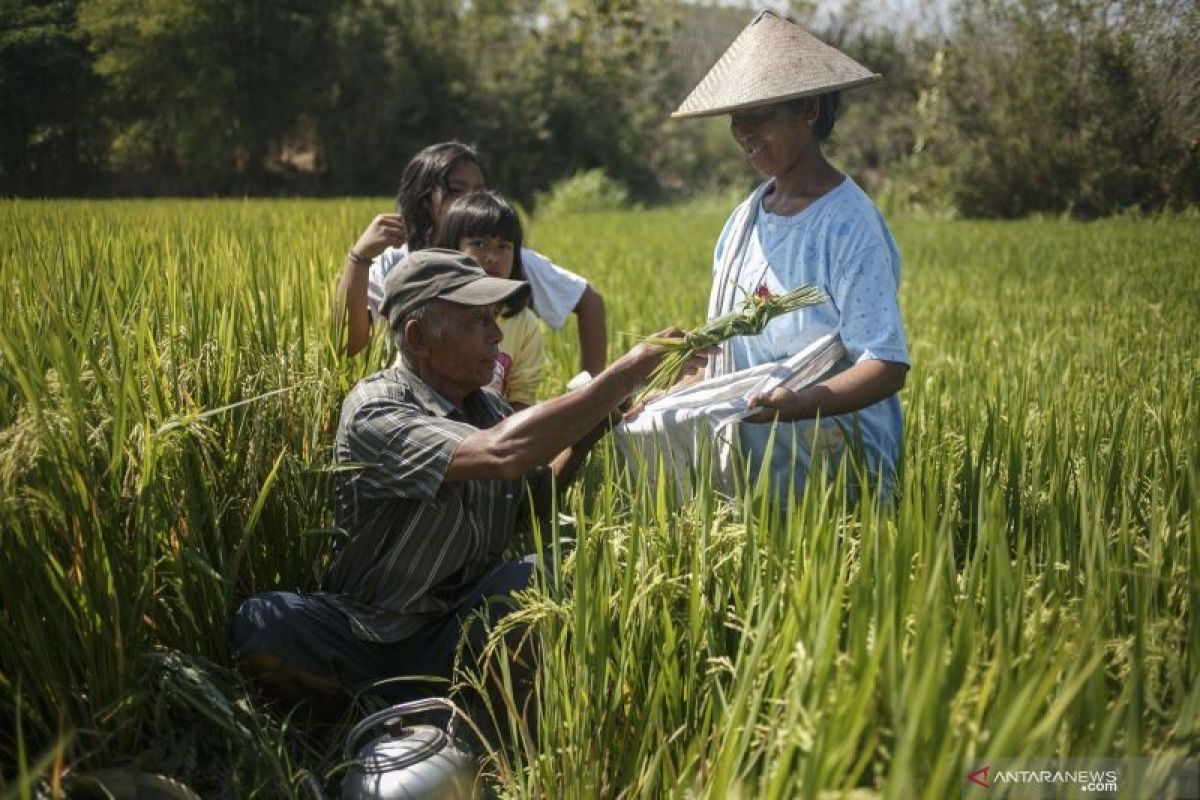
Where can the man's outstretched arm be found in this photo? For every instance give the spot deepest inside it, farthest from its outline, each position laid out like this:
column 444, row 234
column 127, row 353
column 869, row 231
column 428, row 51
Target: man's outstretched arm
column 552, row 430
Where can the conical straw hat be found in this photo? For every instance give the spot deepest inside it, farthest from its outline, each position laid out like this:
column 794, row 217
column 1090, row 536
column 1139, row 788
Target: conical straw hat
column 772, row 60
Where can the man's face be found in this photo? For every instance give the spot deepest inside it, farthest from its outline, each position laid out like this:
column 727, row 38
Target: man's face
column 463, row 344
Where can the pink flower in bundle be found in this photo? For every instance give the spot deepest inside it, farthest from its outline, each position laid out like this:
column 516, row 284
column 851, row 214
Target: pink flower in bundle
column 762, row 292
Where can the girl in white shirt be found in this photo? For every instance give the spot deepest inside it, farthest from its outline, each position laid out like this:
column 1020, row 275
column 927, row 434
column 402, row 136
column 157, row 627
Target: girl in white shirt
column 431, row 182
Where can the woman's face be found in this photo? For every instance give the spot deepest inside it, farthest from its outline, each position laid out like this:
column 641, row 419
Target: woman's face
column 494, row 254
column 464, row 177
column 774, row 137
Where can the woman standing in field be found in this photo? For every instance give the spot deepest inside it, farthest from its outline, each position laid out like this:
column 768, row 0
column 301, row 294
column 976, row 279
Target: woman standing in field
column 432, row 180
column 808, row 223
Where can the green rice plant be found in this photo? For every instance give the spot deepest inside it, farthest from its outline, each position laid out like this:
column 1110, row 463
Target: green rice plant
column 748, row 319
column 169, row 387
column 133, row 517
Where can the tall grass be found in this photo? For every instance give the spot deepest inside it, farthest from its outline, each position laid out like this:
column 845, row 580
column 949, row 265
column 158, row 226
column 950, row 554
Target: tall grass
column 168, row 389
column 133, row 517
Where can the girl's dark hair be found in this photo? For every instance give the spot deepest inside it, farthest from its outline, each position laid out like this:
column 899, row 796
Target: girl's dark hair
column 427, row 170
column 486, row 213
column 827, row 111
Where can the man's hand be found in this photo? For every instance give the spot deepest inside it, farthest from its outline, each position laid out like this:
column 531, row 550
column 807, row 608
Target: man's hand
column 692, row 371
column 643, row 357
column 649, row 355
column 386, row 230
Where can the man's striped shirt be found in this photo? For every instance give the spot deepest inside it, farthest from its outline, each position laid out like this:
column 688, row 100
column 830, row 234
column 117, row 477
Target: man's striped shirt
column 417, row 544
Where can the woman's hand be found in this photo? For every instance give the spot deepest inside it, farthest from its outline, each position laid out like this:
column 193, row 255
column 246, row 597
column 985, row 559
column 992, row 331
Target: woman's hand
column 386, row 230
column 779, row 403
column 861, row 385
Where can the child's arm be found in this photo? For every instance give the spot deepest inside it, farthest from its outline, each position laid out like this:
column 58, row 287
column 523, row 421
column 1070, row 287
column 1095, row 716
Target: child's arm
column 593, row 331
column 557, row 293
column 351, row 305
column 386, row 230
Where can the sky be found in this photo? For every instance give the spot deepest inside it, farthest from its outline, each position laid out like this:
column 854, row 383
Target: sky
column 898, row 13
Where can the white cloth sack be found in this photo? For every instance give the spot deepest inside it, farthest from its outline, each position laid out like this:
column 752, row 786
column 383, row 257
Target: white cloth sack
column 686, row 427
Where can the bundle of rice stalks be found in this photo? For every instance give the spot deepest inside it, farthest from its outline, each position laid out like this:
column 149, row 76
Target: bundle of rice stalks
column 748, row 319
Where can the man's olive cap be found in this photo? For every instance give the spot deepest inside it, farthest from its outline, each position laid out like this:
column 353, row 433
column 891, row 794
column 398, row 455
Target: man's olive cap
column 436, row 274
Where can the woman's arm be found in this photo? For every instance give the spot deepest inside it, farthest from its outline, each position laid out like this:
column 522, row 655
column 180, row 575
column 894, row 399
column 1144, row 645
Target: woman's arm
column 593, row 331
column 863, row 384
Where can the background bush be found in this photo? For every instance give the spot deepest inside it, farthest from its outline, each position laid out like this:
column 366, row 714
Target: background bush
column 583, row 192
column 998, row 108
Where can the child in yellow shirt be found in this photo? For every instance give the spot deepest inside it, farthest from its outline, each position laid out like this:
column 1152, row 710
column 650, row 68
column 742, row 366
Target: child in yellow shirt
column 486, row 227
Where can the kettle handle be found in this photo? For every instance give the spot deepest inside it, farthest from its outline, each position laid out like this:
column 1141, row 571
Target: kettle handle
column 397, row 711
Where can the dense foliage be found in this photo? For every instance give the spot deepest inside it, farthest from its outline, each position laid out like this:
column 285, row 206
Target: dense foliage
column 1001, row 108
column 168, row 389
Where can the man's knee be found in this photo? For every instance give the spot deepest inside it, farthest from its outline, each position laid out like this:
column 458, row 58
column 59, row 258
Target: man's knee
column 283, row 680
column 261, row 635
column 254, row 617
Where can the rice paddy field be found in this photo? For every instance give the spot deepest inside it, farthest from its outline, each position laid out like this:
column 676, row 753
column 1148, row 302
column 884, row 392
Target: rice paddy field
column 169, row 385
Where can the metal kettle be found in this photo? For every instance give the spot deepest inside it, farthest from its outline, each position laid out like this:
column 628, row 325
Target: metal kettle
column 410, row 761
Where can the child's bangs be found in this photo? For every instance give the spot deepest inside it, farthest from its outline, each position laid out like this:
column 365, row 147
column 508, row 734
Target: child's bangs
column 491, row 219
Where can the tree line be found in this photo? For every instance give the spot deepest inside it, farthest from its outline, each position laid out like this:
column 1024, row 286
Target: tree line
column 1000, row 108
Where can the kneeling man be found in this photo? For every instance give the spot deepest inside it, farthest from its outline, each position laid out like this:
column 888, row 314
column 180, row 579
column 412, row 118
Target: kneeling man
column 439, row 476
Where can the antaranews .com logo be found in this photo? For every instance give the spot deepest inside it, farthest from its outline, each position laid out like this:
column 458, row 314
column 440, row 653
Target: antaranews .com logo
column 1083, row 777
